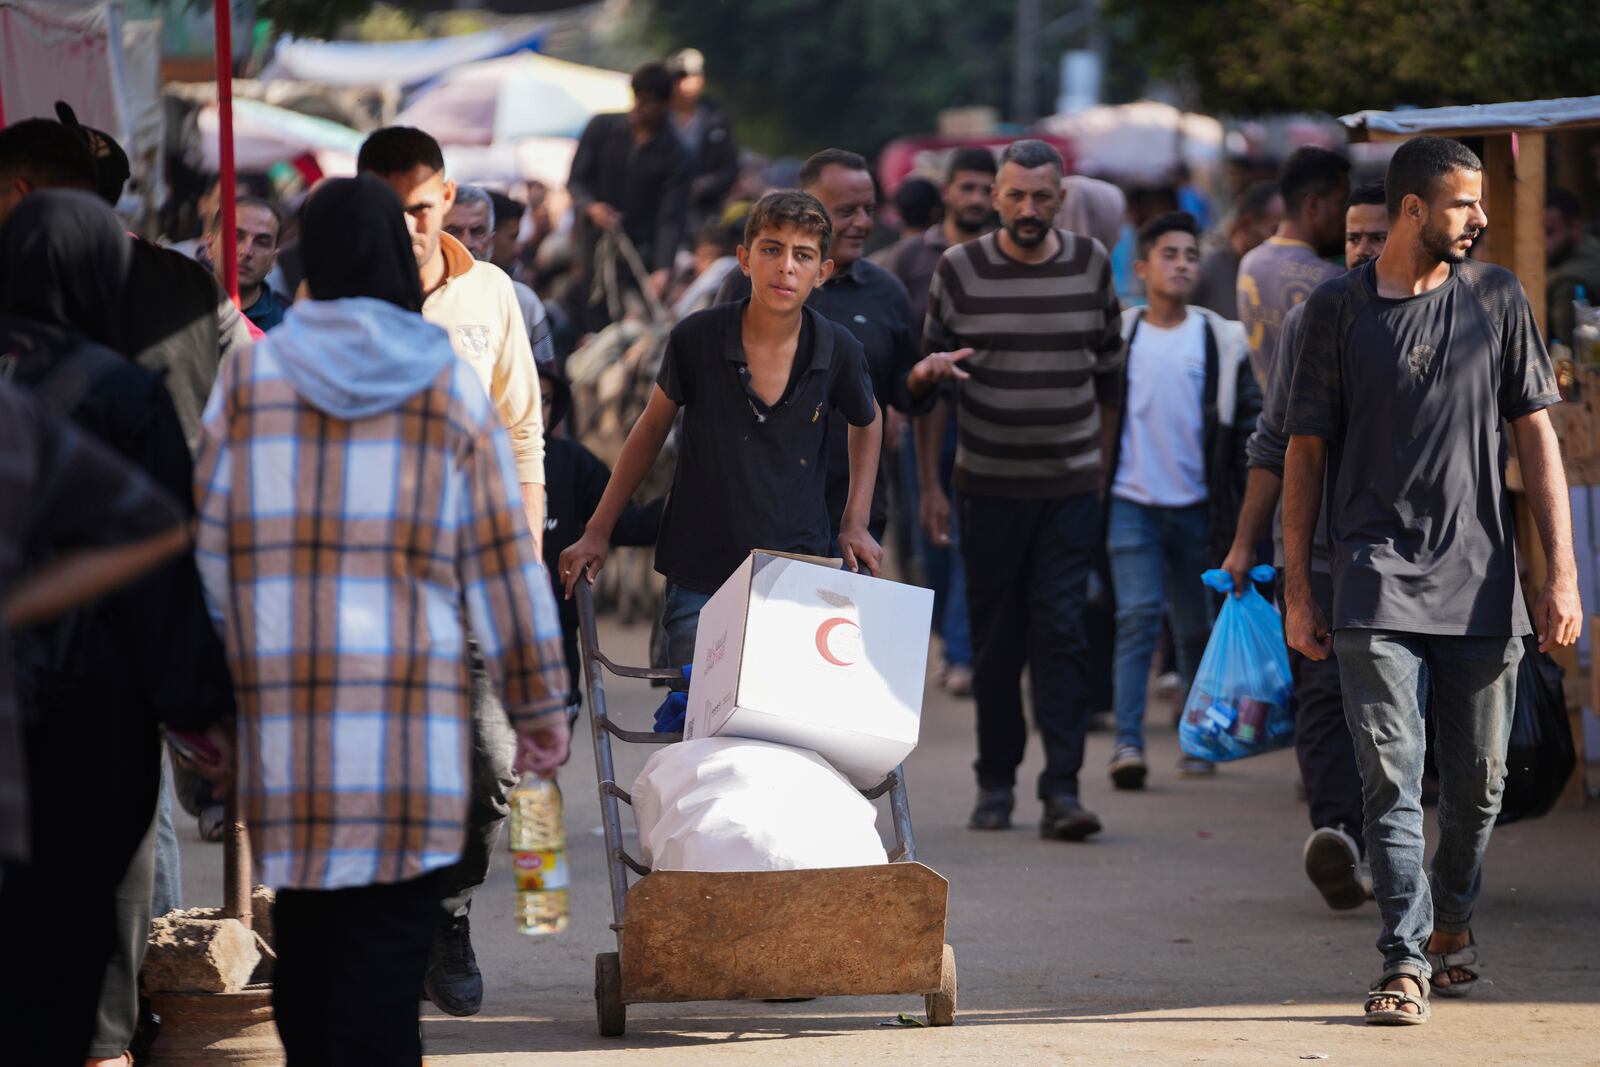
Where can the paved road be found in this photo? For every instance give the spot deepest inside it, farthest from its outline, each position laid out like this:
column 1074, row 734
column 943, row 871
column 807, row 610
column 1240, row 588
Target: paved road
column 1186, row 933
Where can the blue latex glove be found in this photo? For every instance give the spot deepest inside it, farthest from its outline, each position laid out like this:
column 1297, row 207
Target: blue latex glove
column 674, row 710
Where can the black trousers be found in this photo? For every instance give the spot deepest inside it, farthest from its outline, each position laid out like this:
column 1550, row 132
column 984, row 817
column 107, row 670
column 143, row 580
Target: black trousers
column 69, row 939
column 1321, row 735
column 349, row 972
column 1028, row 564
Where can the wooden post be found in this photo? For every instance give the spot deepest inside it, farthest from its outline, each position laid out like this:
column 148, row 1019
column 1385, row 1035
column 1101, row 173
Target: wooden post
column 1499, row 191
column 1527, row 254
column 236, row 862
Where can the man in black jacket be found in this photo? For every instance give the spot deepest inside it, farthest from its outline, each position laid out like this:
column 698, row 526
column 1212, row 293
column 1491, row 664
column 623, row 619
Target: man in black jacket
column 706, row 135
column 630, row 175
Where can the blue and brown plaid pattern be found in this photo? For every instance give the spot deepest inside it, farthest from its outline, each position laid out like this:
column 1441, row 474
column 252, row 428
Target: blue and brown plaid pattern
column 346, row 562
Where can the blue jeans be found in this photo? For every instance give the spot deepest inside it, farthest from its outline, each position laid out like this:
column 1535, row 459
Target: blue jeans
column 1157, row 557
column 1385, row 676
column 680, row 619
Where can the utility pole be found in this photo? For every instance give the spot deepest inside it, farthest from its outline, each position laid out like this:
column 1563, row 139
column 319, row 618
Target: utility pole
column 1025, row 66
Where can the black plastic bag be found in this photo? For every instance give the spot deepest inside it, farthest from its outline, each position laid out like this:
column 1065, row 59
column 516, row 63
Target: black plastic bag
column 1540, row 757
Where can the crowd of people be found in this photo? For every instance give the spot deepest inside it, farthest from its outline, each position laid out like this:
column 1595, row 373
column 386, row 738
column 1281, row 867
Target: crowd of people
column 325, row 538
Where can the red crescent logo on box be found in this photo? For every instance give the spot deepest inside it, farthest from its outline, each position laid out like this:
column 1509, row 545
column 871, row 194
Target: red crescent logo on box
column 825, row 632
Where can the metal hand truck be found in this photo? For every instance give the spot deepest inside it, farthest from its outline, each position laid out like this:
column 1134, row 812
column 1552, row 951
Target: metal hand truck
column 759, row 935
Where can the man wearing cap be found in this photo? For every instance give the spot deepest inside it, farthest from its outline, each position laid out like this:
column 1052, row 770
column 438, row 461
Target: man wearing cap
column 706, row 135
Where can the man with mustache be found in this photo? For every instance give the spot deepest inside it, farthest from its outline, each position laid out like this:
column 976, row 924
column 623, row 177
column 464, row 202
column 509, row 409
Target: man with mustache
column 1411, row 371
column 1038, row 308
column 1334, row 856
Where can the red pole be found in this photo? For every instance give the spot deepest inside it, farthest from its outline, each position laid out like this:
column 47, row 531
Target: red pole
column 228, row 183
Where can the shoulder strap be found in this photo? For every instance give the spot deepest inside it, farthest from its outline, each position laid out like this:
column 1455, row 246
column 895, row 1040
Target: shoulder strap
column 1213, row 361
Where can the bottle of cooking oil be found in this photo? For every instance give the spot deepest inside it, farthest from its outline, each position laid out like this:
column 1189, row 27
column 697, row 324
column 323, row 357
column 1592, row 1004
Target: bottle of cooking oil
column 539, row 856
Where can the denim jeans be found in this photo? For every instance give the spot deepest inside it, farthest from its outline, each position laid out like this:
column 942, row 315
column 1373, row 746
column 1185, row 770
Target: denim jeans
column 680, row 618
column 1028, row 564
column 1385, row 676
column 1321, row 737
column 1157, row 557
column 494, row 776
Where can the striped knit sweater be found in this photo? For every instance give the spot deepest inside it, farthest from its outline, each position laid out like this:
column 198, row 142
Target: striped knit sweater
column 1048, row 348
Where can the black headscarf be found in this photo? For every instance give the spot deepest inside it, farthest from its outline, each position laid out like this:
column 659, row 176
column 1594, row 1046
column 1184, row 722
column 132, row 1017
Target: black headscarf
column 355, row 243
column 64, row 259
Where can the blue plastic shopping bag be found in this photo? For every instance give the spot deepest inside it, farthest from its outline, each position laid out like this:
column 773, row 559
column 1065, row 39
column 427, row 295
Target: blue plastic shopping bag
column 1242, row 703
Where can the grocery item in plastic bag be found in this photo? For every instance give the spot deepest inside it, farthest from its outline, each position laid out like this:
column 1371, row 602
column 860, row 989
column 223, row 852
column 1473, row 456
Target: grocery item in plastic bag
column 1242, row 702
column 730, row 804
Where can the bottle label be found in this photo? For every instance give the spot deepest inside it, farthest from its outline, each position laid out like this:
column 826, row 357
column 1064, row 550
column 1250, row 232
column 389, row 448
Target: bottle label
column 540, row 870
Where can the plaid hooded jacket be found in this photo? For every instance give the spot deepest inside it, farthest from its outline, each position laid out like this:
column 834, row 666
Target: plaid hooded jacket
column 359, row 510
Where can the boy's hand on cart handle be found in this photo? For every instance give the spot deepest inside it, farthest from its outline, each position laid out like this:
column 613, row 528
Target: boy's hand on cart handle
column 542, row 747
column 860, row 550
column 584, row 557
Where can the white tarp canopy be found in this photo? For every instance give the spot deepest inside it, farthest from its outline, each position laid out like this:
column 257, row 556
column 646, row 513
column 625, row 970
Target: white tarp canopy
column 545, row 159
column 516, row 96
column 406, row 63
column 1522, row 114
column 1139, row 141
column 264, row 135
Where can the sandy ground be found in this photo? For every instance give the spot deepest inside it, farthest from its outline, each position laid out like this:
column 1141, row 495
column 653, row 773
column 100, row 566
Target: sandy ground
column 1185, row 933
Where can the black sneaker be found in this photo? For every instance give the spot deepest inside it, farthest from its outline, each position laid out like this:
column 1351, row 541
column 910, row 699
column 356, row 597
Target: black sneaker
column 993, row 810
column 1067, row 820
column 453, row 981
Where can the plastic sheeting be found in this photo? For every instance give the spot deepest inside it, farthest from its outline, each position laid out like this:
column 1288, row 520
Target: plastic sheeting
column 1526, row 114
column 264, row 135
column 1141, row 141
column 407, row 63
column 51, row 52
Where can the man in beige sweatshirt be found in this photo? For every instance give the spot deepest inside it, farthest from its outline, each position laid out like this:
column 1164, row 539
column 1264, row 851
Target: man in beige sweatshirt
column 475, row 302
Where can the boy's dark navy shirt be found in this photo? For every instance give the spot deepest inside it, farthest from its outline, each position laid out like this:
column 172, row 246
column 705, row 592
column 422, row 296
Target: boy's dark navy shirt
column 750, row 476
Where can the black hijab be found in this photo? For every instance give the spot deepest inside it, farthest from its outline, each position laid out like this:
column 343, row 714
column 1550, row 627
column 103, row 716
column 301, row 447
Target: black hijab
column 355, row 243
column 64, row 259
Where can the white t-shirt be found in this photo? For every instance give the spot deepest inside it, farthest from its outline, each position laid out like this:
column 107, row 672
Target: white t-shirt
column 1163, row 461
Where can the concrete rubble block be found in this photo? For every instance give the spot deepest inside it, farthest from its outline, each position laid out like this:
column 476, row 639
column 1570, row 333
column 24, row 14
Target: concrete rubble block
column 194, row 955
column 261, row 898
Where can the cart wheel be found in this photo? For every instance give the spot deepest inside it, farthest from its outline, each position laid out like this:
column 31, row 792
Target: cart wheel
column 941, row 1006
column 613, row 1014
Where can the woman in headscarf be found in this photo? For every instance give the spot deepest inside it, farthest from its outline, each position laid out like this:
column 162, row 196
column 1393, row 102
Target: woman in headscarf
column 353, row 437
column 94, row 685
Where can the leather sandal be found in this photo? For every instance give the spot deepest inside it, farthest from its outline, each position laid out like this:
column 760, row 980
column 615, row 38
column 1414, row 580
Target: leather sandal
column 1397, row 1014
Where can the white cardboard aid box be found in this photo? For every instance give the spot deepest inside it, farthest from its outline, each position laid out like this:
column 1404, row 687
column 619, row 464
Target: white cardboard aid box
column 795, row 651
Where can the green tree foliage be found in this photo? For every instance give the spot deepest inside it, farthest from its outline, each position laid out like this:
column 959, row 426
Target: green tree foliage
column 1338, row 56
column 799, row 75
column 312, row 18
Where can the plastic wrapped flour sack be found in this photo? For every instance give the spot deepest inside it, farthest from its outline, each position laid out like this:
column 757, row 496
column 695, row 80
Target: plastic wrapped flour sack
column 728, row 804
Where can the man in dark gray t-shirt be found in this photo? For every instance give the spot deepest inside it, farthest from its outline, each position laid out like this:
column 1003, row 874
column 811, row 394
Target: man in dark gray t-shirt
column 1409, row 373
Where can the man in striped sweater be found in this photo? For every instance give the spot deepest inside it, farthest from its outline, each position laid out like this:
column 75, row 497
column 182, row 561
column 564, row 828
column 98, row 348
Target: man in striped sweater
column 1038, row 307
